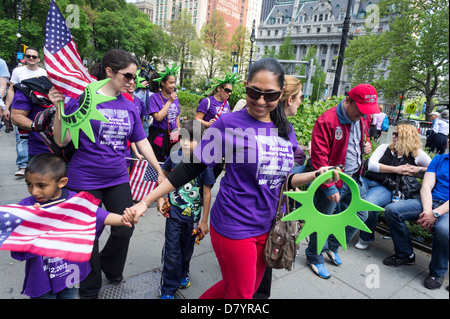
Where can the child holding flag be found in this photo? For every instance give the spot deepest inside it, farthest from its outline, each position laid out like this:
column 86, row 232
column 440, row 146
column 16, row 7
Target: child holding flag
column 55, row 277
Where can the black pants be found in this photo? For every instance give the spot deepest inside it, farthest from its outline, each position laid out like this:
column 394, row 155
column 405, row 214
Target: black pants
column 265, row 286
column 113, row 256
column 437, row 143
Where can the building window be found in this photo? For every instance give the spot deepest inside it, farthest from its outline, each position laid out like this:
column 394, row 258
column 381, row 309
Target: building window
column 276, row 32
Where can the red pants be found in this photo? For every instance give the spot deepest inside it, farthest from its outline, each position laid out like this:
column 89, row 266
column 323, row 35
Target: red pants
column 242, row 265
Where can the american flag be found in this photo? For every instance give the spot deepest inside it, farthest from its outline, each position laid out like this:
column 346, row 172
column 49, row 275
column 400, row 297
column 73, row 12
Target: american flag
column 220, row 110
column 62, row 61
column 143, row 179
column 66, row 230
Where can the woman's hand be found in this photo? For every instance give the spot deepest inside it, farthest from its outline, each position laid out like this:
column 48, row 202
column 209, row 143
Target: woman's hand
column 55, row 96
column 173, row 96
column 333, row 179
column 137, row 210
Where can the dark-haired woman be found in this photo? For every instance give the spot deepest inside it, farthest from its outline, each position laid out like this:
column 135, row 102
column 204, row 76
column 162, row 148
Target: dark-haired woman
column 208, row 109
column 164, row 107
column 100, row 168
column 258, row 145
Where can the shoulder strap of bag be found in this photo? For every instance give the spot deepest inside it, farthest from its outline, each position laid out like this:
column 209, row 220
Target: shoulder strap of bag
column 283, row 199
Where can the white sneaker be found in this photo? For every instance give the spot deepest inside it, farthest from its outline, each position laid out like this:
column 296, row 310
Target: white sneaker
column 20, row 172
column 362, row 244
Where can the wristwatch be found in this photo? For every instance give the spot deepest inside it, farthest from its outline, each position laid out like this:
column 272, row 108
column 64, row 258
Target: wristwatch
column 436, row 214
column 420, row 170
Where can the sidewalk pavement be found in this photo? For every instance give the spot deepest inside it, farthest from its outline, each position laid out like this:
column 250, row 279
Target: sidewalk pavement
column 361, row 276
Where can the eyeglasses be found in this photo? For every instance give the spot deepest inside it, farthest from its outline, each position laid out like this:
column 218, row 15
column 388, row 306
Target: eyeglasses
column 227, row 90
column 255, row 94
column 395, row 134
column 29, row 56
column 129, row 76
column 302, row 98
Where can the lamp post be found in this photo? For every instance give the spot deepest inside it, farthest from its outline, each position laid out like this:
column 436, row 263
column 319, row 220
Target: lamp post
column 19, row 34
column 340, row 61
column 252, row 40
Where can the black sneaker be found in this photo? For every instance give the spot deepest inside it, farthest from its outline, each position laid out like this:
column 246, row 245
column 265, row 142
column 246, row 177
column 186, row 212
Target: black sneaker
column 433, row 282
column 397, row 261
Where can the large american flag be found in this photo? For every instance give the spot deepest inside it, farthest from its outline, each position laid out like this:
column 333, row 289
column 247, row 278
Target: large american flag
column 62, row 61
column 66, row 230
column 143, row 179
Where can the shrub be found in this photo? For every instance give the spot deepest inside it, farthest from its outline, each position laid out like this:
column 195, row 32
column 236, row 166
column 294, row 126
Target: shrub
column 307, row 114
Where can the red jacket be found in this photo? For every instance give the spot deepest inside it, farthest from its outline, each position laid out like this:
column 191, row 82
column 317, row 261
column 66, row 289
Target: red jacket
column 330, row 137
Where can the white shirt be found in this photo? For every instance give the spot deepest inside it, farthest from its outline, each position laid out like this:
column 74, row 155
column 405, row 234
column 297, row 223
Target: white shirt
column 422, row 158
column 22, row 73
column 440, row 126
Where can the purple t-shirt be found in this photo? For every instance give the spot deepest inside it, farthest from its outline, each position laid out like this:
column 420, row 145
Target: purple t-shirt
column 140, row 106
column 102, row 164
column 156, row 103
column 21, row 102
column 212, row 107
column 49, row 274
column 257, row 164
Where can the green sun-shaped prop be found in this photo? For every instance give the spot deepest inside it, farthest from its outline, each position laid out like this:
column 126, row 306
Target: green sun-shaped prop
column 87, row 111
column 325, row 225
column 139, row 79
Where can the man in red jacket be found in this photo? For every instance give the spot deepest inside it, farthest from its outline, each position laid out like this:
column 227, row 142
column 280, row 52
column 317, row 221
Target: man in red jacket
column 340, row 136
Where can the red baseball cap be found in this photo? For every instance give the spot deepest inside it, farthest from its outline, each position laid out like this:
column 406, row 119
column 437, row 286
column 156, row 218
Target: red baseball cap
column 365, row 97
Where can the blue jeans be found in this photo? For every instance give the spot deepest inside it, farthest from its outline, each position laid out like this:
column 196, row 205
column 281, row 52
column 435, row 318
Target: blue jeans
column 376, row 194
column 397, row 213
column 68, row 293
column 21, row 149
column 328, row 207
column 177, row 252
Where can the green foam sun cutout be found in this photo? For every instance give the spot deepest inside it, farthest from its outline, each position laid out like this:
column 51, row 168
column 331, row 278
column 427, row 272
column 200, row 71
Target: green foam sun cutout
column 87, row 111
column 325, row 225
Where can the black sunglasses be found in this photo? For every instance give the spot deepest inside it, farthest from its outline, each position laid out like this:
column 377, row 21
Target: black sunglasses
column 227, row 90
column 29, row 56
column 255, row 94
column 129, row 76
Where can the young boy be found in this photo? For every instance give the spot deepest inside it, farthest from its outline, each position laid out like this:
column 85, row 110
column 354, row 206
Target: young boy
column 183, row 219
column 45, row 277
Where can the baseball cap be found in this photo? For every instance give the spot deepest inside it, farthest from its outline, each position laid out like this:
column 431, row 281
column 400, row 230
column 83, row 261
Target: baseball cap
column 365, row 97
column 434, row 113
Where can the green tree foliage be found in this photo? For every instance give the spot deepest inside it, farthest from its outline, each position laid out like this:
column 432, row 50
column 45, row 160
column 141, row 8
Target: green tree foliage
column 101, row 25
column 214, row 40
column 286, row 49
column 183, row 37
column 414, row 50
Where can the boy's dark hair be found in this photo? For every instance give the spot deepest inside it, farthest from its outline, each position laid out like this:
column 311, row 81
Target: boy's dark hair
column 194, row 128
column 47, row 164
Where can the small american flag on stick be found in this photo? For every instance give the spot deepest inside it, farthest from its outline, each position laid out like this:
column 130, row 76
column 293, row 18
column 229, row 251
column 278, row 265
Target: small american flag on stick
column 62, row 61
column 143, row 179
column 66, row 230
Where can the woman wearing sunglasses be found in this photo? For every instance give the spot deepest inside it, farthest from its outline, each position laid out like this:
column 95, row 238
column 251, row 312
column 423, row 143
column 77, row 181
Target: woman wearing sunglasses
column 403, row 156
column 100, row 168
column 164, row 107
column 216, row 103
column 258, row 144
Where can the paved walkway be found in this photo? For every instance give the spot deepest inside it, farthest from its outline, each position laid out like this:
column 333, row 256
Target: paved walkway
column 361, row 276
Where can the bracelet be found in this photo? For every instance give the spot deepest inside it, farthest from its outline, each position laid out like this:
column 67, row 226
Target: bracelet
column 141, row 201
